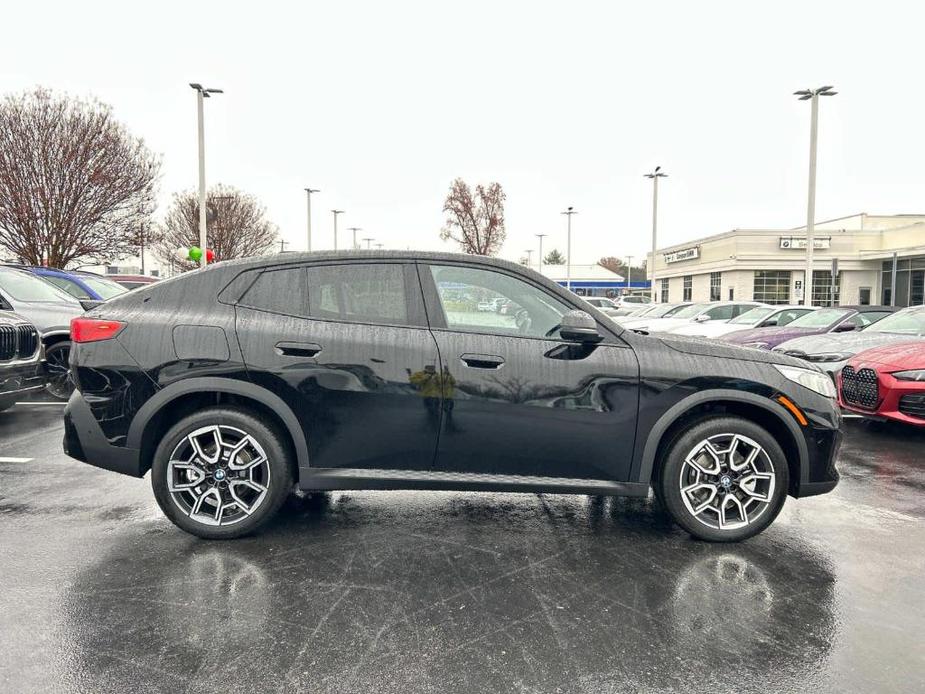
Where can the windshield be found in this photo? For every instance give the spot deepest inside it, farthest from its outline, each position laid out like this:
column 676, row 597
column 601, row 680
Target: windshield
column 753, row 316
column 690, row 311
column 107, row 289
column 819, row 319
column 25, row 287
column 902, row 323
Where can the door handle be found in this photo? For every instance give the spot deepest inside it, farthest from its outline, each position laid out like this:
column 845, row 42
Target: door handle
column 482, row 361
column 298, row 349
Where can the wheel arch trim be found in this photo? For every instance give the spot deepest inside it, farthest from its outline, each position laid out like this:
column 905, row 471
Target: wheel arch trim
column 679, row 409
column 213, row 384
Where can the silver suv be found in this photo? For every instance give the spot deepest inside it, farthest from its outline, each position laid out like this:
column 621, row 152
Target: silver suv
column 20, row 359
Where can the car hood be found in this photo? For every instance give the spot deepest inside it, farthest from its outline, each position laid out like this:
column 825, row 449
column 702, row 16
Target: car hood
column 771, row 335
column 660, row 324
column 49, row 316
column 723, row 350
column 848, row 343
column 903, row 356
column 713, row 328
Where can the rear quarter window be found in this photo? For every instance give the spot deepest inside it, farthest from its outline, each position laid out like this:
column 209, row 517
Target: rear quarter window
column 279, row 291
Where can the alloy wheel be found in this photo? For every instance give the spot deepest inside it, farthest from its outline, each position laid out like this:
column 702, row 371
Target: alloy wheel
column 218, row 475
column 59, row 383
column 727, row 481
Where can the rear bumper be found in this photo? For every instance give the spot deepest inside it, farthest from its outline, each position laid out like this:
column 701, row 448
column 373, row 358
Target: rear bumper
column 84, row 441
column 21, row 379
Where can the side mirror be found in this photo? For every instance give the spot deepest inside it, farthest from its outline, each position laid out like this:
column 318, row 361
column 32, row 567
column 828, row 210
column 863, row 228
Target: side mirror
column 578, row 326
column 845, row 328
column 702, row 318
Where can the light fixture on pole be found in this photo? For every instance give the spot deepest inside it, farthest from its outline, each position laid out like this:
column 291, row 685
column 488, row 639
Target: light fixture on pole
column 380, row 245
column 655, row 175
column 355, row 230
column 335, row 213
column 369, row 242
column 308, row 201
column 540, row 264
column 813, row 96
column 201, row 94
column 529, row 253
column 568, row 249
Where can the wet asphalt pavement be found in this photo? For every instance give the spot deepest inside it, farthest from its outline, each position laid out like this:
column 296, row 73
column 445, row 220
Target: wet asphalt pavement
column 457, row 592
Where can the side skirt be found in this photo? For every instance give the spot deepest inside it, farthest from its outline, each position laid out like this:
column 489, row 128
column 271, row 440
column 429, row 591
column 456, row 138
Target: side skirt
column 347, row 478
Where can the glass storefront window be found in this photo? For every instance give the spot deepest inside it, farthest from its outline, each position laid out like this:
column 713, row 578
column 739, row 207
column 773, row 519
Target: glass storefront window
column 772, row 286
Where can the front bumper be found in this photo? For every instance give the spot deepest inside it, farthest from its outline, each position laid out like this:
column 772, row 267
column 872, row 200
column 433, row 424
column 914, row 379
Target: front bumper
column 17, row 380
column 85, row 441
column 894, row 396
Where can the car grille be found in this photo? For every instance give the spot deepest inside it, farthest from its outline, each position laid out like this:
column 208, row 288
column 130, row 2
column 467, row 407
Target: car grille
column 860, row 387
column 913, row 405
column 17, row 342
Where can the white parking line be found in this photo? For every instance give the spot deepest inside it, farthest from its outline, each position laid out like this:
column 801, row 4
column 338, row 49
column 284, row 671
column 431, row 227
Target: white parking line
column 15, row 460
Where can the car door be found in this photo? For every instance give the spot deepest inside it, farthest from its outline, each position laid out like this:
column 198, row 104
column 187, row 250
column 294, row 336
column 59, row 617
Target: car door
column 346, row 345
column 518, row 400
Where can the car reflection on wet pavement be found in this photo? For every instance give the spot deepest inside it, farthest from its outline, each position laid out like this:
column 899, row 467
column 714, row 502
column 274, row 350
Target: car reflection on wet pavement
column 446, row 592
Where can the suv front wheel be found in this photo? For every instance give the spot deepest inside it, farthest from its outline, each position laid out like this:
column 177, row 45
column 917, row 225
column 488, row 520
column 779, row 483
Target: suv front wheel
column 221, row 473
column 725, row 479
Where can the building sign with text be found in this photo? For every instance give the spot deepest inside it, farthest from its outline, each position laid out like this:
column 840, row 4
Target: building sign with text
column 683, row 254
column 799, row 243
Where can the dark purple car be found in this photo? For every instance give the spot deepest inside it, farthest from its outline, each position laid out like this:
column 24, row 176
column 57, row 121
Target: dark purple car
column 826, row 320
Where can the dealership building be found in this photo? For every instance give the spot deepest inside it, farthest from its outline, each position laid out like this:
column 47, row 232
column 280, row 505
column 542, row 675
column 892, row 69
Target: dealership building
column 861, row 259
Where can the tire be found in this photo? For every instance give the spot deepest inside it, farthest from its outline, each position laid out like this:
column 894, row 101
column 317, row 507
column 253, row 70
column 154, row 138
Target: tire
column 185, row 473
column 698, row 462
column 60, row 385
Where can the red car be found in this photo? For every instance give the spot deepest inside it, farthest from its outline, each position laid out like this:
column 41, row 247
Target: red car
column 886, row 383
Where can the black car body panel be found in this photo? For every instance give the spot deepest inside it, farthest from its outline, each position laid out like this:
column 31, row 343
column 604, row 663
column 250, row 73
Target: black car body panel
column 406, row 401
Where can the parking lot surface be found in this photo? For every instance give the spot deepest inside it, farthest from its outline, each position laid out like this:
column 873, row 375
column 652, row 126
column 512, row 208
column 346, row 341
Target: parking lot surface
column 457, row 592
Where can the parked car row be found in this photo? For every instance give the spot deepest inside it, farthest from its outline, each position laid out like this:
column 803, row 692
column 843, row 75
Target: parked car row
column 41, row 301
column 874, row 354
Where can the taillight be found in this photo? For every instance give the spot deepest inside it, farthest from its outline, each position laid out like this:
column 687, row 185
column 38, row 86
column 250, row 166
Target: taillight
column 94, row 329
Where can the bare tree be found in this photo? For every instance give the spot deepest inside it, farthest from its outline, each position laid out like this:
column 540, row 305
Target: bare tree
column 237, row 226
column 74, row 184
column 554, row 257
column 475, row 222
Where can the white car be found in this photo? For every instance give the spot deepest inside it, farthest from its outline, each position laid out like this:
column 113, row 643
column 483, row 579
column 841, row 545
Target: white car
column 758, row 317
column 484, row 306
column 603, row 304
column 695, row 313
column 649, row 312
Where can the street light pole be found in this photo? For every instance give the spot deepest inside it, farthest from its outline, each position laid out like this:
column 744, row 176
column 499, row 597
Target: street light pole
column 568, row 249
column 308, row 202
column 355, row 230
column 529, row 253
column 336, row 212
column 812, row 95
column 201, row 95
column 655, row 175
column 540, row 237
column 629, row 273
column 369, row 242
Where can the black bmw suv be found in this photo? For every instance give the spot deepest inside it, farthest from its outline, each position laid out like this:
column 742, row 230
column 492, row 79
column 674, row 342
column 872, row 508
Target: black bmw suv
column 377, row 370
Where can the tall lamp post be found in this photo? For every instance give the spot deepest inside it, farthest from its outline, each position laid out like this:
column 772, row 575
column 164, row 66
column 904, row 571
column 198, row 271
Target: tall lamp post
column 201, row 94
column 655, row 175
column 335, row 213
column 568, row 249
column 629, row 273
column 308, row 204
column 355, row 230
column 540, row 264
column 812, row 95
column 369, row 242
column 529, row 253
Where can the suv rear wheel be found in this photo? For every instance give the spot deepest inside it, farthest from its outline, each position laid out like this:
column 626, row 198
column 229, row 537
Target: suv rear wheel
column 724, row 479
column 221, row 473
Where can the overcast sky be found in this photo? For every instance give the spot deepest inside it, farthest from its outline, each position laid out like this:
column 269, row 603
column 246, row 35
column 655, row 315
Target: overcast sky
column 382, row 104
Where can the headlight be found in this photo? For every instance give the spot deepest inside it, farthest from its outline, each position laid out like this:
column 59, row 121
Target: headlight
column 914, row 375
column 829, row 356
column 815, row 381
